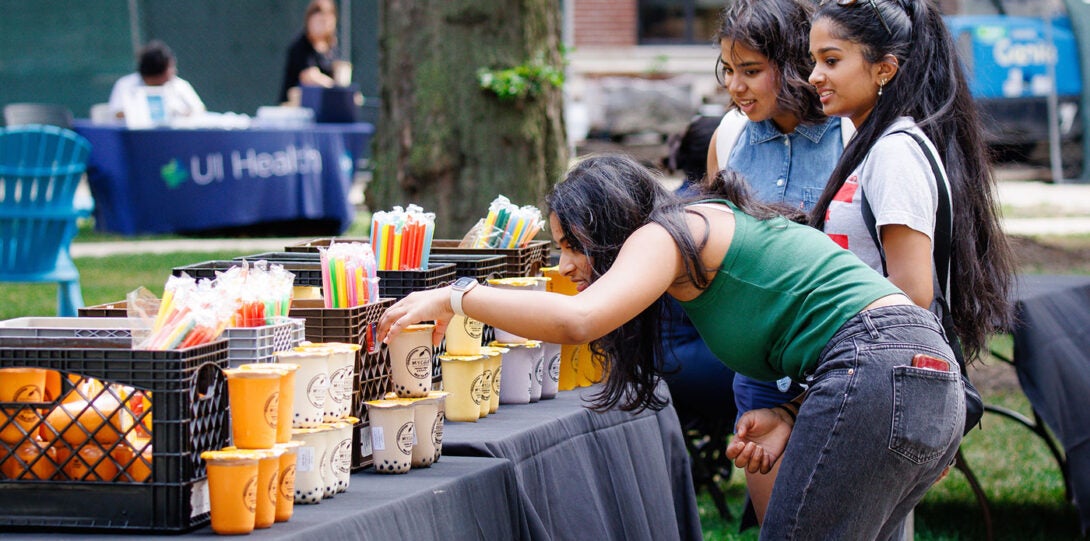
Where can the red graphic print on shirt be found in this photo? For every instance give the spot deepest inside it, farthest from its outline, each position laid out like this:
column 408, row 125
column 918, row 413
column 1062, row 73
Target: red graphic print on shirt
column 843, row 196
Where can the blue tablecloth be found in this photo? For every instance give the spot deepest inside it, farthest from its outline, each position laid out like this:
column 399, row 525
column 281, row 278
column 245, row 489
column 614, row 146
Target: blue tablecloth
column 167, row 180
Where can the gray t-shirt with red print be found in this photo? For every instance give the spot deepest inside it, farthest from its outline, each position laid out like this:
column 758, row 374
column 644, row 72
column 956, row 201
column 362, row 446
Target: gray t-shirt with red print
column 900, row 187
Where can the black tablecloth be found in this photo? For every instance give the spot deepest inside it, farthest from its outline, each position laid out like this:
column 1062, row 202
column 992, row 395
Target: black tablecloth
column 457, row 498
column 1052, row 358
column 587, row 475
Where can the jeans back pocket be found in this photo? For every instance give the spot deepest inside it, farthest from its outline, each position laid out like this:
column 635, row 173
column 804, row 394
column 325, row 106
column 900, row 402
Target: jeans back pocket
column 928, row 412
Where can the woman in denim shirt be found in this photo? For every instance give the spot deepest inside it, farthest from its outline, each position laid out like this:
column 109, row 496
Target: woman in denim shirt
column 777, row 137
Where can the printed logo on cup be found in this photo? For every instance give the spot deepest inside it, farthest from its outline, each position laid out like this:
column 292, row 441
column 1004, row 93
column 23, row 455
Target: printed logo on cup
column 342, row 456
column 339, row 386
column 539, row 371
column 274, row 482
column 418, row 362
column 316, row 389
column 272, row 409
column 477, row 389
column 405, row 438
column 485, row 387
column 554, row 367
column 249, row 494
column 496, row 380
column 437, row 430
column 473, row 327
column 27, row 393
column 287, row 483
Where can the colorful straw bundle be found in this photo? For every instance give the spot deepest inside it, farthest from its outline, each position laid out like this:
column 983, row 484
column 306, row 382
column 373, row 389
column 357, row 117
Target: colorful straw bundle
column 195, row 312
column 349, row 276
column 507, row 225
column 402, row 238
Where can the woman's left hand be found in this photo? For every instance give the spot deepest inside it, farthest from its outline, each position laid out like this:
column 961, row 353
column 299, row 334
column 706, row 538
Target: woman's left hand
column 760, row 438
column 419, row 306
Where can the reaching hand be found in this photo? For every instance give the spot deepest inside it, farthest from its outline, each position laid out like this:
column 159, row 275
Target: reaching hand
column 430, row 305
column 759, row 440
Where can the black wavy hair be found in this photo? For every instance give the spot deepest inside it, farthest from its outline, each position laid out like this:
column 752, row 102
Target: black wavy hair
column 780, row 30
column 930, row 86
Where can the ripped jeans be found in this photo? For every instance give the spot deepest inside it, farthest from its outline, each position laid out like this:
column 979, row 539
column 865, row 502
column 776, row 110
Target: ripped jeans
column 873, row 434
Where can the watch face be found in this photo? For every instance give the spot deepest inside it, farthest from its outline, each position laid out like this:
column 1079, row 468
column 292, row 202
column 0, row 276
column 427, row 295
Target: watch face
column 464, row 282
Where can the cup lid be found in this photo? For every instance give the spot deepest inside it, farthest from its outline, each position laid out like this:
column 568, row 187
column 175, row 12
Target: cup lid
column 254, row 373
column 445, row 357
column 237, row 456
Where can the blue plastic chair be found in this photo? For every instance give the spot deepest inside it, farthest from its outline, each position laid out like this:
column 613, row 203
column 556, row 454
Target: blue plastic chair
column 40, row 167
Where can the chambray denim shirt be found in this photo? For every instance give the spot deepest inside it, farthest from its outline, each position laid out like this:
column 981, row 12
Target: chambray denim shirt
column 787, row 168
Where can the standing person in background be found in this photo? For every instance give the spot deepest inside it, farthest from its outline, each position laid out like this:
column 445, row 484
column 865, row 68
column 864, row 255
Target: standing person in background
column 777, row 137
column 156, row 68
column 892, row 68
column 311, row 56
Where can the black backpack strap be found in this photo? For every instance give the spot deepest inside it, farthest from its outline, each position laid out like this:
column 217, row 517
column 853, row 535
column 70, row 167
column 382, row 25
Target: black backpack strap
column 943, row 222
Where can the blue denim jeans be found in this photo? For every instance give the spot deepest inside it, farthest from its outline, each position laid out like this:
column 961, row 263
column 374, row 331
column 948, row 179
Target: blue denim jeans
column 873, row 434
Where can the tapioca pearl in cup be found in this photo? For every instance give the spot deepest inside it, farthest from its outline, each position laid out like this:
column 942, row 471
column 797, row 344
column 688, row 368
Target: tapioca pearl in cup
column 285, row 500
column 341, row 371
column 232, row 490
column 425, row 412
column 309, row 485
column 411, row 356
column 311, row 384
column 392, row 434
column 342, row 452
column 462, row 375
column 494, row 361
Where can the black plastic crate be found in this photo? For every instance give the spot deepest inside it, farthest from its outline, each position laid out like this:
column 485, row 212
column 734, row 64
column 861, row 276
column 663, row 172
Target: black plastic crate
column 354, row 326
column 189, row 415
column 307, row 273
column 526, row 261
column 479, row 266
column 397, row 284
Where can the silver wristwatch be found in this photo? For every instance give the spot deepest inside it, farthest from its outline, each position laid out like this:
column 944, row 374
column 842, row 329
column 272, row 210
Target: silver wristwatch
column 460, row 287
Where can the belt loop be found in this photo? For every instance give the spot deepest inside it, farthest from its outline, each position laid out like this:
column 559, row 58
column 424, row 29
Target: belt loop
column 872, row 329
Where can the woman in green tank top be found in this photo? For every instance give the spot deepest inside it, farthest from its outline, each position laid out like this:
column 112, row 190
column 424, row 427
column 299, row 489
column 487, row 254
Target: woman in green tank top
column 772, row 298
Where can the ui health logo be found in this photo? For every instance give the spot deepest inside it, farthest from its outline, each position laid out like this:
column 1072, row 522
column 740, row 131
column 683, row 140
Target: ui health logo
column 246, row 164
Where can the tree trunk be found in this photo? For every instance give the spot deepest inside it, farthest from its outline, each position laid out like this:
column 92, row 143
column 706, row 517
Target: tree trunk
column 444, row 143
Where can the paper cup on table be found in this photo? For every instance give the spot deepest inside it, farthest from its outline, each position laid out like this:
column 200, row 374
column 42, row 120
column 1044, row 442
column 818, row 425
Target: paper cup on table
column 463, row 336
column 525, row 283
column 342, row 453
column 518, row 371
column 411, row 361
column 327, row 461
column 493, row 361
column 286, row 402
column 440, row 398
column 309, row 485
column 484, row 388
column 20, row 385
column 392, row 433
column 550, row 380
column 425, row 417
column 462, row 375
column 285, row 498
column 232, row 490
column 254, row 397
column 311, row 385
column 537, row 370
column 268, row 484
column 342, row 371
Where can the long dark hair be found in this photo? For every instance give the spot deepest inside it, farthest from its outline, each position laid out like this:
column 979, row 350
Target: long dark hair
column 600, row 203
column 778, row 29
column 930, row 87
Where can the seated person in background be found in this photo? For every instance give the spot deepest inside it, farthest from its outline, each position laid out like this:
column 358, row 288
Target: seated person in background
column 313, row 53
column 156, row 68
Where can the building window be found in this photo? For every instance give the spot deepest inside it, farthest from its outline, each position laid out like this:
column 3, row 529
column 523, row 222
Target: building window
column 678, row 22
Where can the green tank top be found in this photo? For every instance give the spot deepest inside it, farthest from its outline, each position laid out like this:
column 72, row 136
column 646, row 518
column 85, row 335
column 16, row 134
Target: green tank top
column 783, row 291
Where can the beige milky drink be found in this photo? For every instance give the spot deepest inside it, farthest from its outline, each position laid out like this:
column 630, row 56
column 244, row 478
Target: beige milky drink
column 342, row 372
column 518, row 369
column 493, row 361
column 309, row 485
column 462, row 375
column 463, row 336
column 550, row 380
column 311, row 384
column 440, row 398
column 392, row 434
column 425, row 417
column 411, row 361
column 342, row 452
